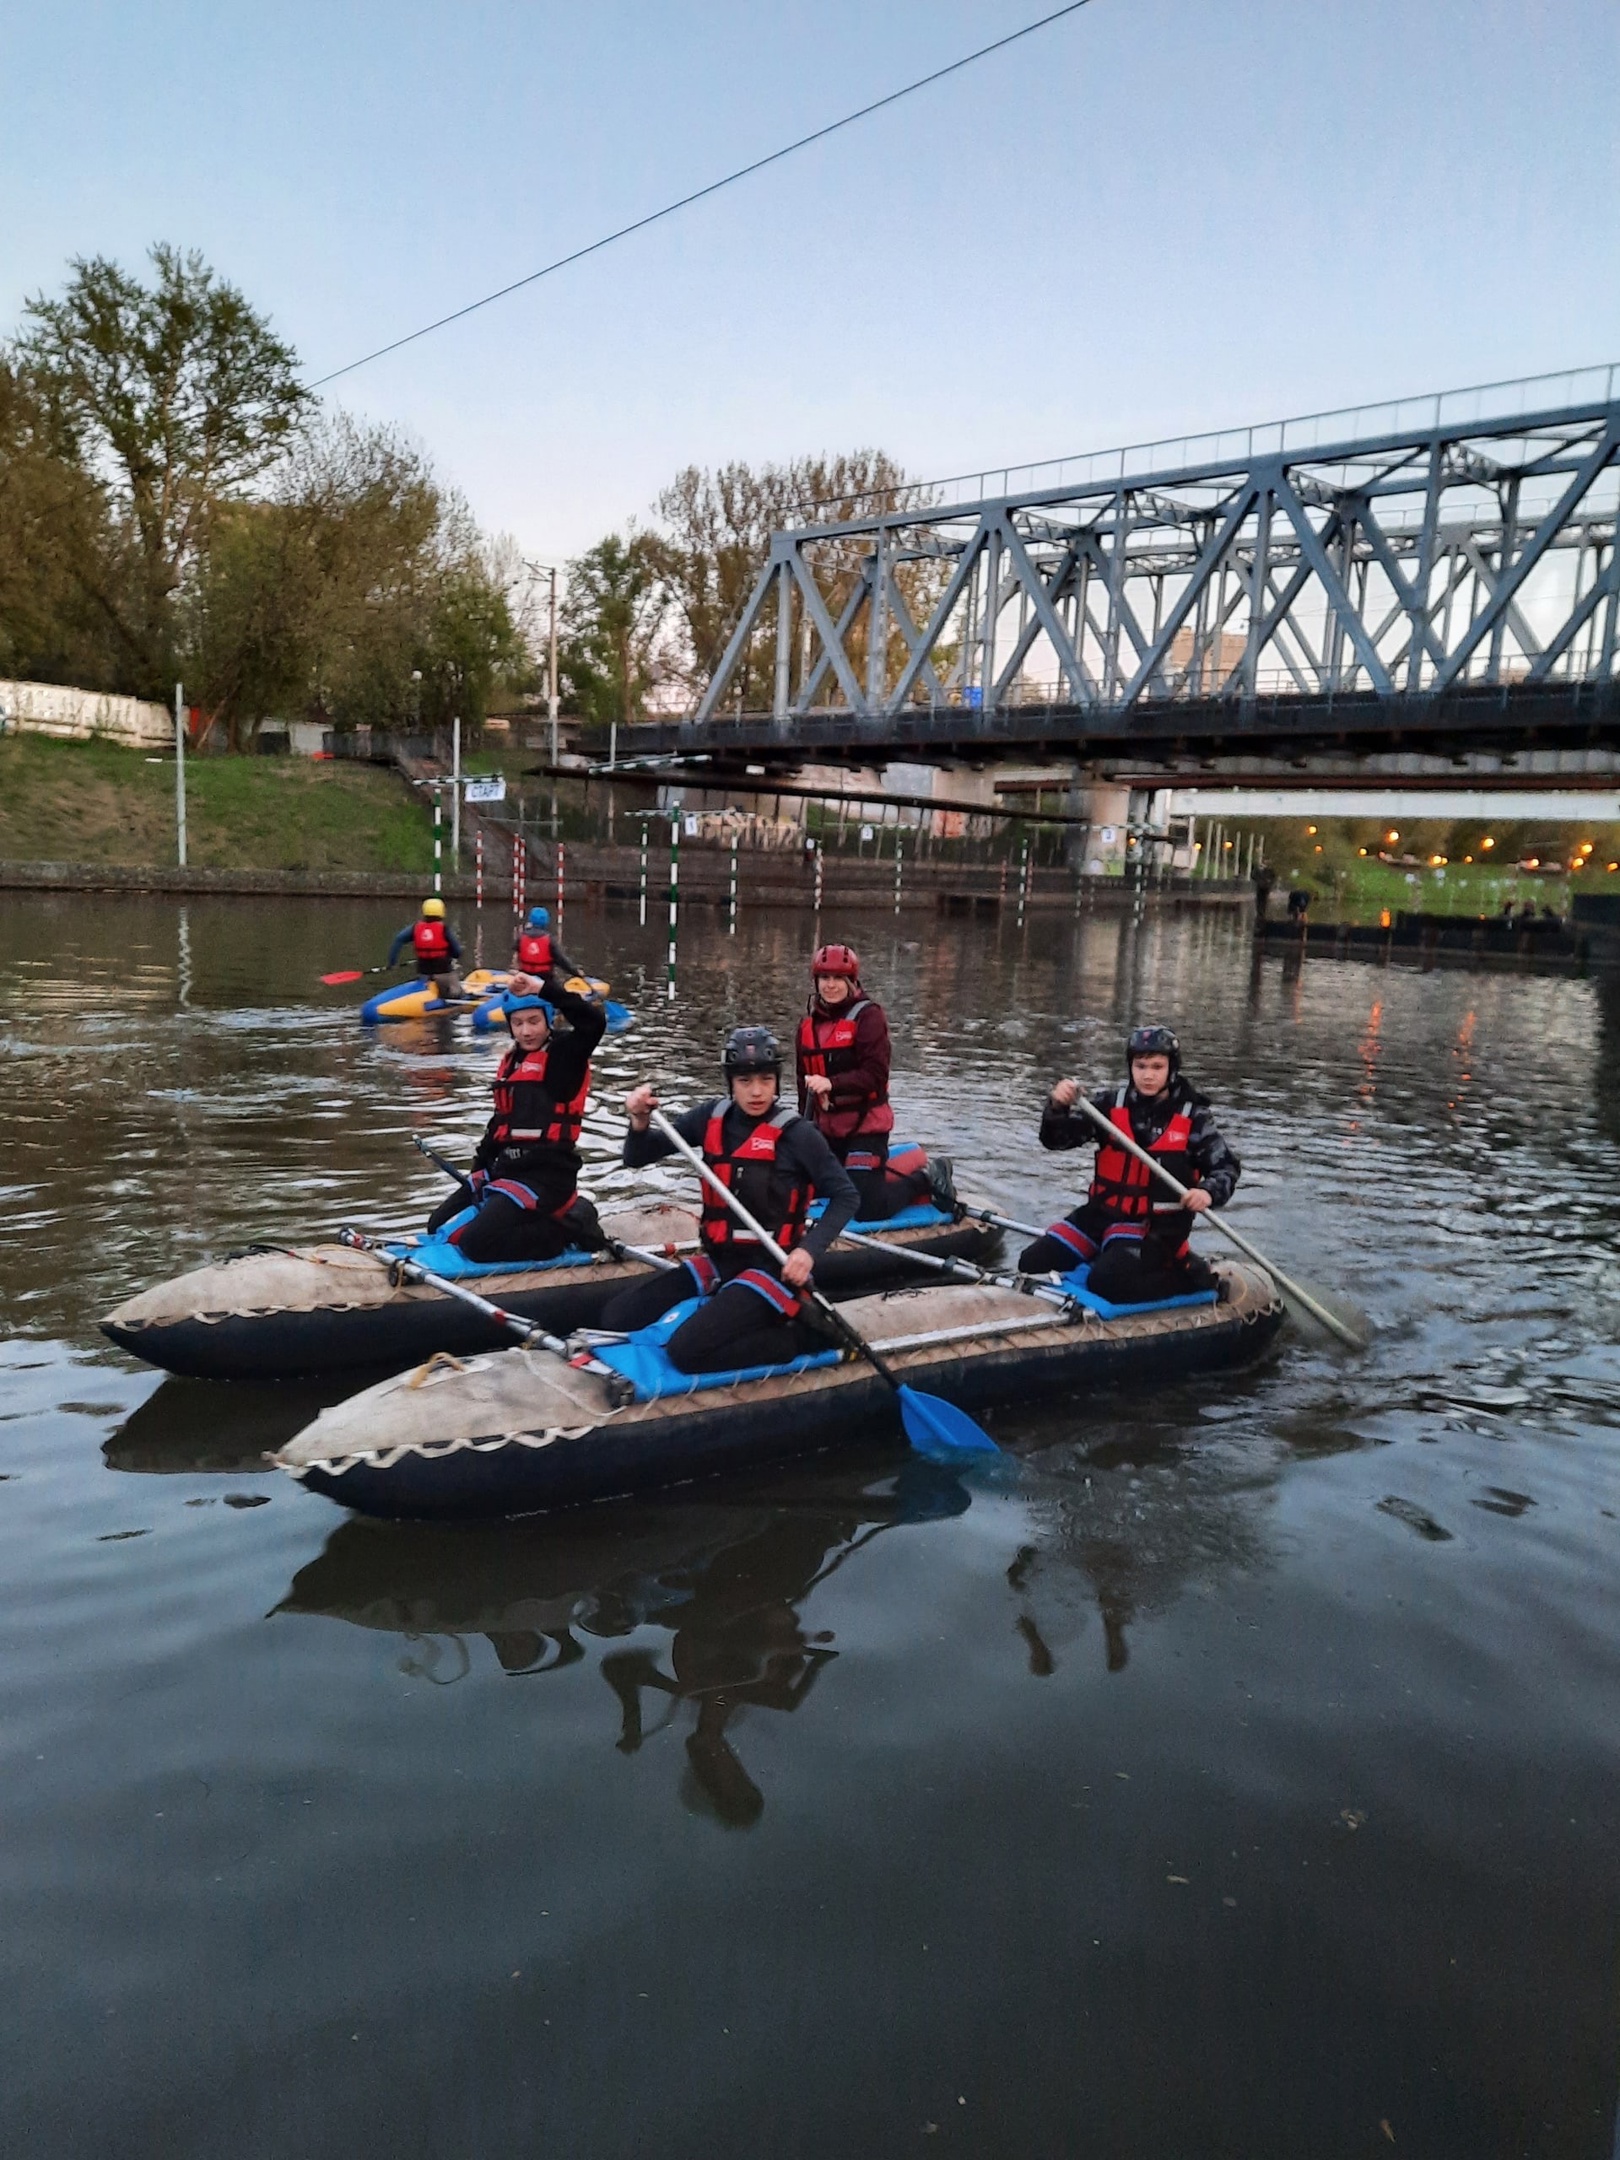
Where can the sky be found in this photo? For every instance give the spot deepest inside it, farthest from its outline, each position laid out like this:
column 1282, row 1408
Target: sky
column 1153, row 217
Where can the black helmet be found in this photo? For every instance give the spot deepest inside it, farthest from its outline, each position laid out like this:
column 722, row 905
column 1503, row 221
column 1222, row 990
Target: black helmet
column 751, row 1050
column 1153, row 1042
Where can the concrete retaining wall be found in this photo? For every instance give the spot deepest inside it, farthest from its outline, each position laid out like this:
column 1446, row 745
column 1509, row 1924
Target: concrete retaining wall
column 75, row 715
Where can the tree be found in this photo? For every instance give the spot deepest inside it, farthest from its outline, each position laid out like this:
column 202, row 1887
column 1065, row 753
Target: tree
column 611, row 621
column 52, row 526
column 714, row 539
column 174, row 397
column 357, row 571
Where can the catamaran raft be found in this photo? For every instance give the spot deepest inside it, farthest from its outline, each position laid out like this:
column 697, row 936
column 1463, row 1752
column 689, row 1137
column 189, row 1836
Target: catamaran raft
column 524, row 1430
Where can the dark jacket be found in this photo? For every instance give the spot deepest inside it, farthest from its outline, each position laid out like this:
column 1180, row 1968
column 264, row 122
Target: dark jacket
column 404, row 937
column 550, row 1171
column 1217, row 1167
column 801, row 1148
column 859, row 1073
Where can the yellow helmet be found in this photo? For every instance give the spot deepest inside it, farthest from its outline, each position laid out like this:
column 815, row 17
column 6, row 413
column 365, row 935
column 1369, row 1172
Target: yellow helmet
column 433, row 910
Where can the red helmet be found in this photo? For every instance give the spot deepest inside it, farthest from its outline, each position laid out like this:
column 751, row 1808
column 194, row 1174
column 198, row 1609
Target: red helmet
column 836, row 960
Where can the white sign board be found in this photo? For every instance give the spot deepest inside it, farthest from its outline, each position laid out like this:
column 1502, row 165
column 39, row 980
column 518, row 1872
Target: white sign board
column 492, row 789
column 1108, row 836
column 689, row 824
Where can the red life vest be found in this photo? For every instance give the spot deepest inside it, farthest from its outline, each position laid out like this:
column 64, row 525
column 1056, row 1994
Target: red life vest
column 1126, row 1187
column 432, row 942
column 534, row 953
column 826, row 1045
column 560, row 1121
column 771, row 1193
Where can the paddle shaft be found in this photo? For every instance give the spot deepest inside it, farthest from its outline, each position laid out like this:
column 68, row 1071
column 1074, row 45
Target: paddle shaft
column 616, row 1246
column 1317, row 1311
column 963, row 1270
column 525, row 1330
column 829, row 1312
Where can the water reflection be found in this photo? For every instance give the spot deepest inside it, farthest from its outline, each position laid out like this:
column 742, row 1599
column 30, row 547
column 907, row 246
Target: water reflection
column 726, row 1581
column 194, row 1425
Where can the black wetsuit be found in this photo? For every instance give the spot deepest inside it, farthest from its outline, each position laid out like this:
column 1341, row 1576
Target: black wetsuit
column 748, row 1315
column 1129, row 1228
column 525, row 1181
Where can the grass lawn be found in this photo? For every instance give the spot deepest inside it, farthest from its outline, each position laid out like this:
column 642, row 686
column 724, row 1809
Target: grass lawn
column 94, row 802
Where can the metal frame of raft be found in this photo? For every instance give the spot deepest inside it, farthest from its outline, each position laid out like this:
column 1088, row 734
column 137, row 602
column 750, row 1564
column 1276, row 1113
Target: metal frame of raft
column 354, row 1454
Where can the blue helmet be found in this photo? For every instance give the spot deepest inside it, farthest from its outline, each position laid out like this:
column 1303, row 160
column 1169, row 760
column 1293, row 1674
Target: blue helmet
column 530, row 1001
column 539, row 918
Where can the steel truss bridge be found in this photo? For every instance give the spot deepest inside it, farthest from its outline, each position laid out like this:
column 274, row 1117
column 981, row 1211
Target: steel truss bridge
column 1434, row 581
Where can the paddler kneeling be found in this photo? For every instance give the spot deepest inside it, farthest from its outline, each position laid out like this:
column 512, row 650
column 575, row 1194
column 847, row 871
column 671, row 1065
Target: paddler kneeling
column 776, row 1163
column 525, row 1180
column 1131, row 1231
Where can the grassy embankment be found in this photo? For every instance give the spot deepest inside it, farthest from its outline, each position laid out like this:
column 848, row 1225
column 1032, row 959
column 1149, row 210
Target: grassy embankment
column 1355, row 870
column 94, row 802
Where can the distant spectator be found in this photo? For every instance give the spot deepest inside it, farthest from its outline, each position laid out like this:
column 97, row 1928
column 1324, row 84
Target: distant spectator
column 1551, row 916
column 1299, row 905
column 1265, row 882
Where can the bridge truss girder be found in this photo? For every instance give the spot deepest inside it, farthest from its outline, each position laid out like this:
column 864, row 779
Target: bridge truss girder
column 1411, row 564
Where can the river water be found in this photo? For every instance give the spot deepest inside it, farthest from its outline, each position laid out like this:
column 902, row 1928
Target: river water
column 1235, row 1775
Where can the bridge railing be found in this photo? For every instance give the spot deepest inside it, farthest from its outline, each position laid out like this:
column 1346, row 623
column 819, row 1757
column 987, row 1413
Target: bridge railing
column 1478, row 405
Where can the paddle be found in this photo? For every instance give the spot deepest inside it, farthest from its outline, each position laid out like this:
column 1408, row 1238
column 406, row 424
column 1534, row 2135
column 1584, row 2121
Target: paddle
column 934, row 1428
column 1285, row 1283
column 346, row 975
column 619, row 1250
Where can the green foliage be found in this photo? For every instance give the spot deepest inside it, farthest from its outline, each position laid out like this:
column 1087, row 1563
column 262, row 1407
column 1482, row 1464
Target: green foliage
column 173, row 396
column 174, row 506
column 610, row 624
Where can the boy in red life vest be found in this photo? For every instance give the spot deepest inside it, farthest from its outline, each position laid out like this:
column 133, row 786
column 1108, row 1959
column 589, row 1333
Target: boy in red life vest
column 437, row 948
column 1131, row 1230
column 841, row 1052
column 776, row 1163
column 525, row 1180
column 538, row 953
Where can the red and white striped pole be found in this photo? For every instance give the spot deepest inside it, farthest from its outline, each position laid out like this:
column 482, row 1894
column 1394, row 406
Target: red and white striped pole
column 478, row 870
column 517, row 886
column 559, row 884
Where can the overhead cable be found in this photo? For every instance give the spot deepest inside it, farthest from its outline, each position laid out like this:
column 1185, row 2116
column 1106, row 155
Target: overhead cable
column 653, row 217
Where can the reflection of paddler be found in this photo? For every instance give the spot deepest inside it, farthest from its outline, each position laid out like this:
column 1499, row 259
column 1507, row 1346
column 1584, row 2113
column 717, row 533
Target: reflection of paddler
column 739, row 1642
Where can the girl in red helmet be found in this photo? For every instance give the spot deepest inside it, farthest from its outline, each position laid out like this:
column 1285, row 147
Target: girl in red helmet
column 842, row 1054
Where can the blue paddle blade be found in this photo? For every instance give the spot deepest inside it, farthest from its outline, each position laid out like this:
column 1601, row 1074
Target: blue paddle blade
column 939, row 1430
column 619, row 1016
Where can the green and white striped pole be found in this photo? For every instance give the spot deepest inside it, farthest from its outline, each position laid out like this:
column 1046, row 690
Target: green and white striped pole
column 438, row 842
column 731, row 927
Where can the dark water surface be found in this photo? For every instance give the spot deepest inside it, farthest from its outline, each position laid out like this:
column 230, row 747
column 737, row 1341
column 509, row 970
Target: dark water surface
column 1235, row 1776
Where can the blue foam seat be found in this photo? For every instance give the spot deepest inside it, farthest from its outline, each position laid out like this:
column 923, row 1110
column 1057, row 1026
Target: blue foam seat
column 1075, row 1284
column 921, row 1217
column 643, row 1359
column 440, row 1257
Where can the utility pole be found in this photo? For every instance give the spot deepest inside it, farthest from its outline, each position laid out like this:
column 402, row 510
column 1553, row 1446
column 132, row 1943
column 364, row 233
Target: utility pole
column 180, row 773
column 551, row 693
